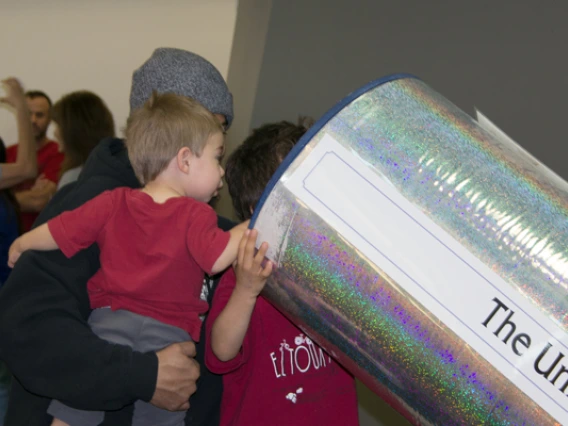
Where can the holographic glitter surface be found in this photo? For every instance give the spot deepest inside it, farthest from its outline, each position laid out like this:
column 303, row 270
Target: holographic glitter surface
column 492, row 198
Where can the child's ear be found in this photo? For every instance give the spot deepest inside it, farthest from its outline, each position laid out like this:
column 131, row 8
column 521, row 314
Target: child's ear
column 183, row 158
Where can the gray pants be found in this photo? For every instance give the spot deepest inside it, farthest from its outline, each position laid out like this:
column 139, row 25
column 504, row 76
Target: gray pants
column 143, row 334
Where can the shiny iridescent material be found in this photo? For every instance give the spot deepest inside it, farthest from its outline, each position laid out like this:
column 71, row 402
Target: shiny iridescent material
column 426, row 255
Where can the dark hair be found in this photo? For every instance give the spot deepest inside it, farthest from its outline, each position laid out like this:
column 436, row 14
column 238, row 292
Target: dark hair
column 83, row 120
column 250, row 167
column 32, row 94
column 7, row 198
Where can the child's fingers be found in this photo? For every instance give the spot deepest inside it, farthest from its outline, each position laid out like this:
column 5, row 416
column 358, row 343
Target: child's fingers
column 12, row 259
column 261, row 254
column 242, row 245
column 250, row 248
column 267, row 270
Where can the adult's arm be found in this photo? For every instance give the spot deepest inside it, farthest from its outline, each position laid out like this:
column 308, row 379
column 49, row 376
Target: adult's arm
column 48, row 345
column 50, row 349
column 35, row 199
column 25, row 166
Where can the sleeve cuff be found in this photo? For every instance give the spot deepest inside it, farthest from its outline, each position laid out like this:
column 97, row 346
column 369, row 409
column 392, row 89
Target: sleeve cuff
column 144, row 375
column 215, row 365
column 55, row 227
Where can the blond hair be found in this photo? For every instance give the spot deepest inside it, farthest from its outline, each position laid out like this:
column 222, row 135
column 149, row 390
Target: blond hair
column 165, row 124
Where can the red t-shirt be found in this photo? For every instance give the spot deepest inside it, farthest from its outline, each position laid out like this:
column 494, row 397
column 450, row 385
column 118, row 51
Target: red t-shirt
column 49, row 161
column 280, row 377
column 153, row 256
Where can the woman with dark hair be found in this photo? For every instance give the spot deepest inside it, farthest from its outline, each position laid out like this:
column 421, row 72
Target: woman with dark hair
column 82, row 120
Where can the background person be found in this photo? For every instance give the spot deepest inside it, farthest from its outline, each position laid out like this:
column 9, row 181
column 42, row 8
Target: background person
column 82, row 120
column 26, row 165
column 32, row 195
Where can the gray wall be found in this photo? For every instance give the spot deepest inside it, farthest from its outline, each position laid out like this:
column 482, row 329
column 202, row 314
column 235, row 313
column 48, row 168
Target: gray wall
column 505, row 57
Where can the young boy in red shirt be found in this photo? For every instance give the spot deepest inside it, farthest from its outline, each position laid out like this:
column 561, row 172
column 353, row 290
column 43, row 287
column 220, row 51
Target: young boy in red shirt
column 155, row 242
column 272, row 373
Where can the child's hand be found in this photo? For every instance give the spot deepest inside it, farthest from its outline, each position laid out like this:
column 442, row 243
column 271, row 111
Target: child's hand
column 14, row 252
column 251, row 275
column 242, row 227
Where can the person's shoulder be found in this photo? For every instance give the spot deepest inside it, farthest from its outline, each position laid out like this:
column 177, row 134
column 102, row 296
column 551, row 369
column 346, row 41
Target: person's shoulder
column 51, row 147
column 122, row 191
column 191, row 209
column 69, row 176
column 11, row 153
column 115, row 195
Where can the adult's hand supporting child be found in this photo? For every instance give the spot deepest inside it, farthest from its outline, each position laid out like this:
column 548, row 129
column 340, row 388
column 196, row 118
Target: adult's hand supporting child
column 177, row 374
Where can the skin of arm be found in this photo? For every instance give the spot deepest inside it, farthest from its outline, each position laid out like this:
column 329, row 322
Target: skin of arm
column 230, row 253
column 25, row 166
column 39, row 238
column 36, row 198
column 230, row 327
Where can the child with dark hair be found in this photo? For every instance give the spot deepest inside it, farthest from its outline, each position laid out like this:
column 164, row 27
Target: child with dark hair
column 249, row 341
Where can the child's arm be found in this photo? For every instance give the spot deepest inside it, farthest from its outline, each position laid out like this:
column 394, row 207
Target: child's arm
column 37, row 239
column 230, row 327
column 229, row 255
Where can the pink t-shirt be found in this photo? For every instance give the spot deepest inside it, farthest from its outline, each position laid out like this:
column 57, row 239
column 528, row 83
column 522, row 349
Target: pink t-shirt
column 280, row 377
column 153, row 256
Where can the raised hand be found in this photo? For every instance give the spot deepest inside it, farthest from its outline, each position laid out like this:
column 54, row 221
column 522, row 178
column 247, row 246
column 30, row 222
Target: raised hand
column 249, row 269
column 14, row 93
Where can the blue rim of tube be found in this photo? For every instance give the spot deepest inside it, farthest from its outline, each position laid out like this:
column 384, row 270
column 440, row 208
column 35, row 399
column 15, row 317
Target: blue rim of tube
column 318, row 125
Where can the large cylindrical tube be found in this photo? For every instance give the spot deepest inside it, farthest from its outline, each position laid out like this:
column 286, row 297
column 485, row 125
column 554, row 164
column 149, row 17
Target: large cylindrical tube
column 427, row 255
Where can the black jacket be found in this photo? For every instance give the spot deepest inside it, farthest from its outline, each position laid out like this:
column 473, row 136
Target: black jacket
column 44, row 336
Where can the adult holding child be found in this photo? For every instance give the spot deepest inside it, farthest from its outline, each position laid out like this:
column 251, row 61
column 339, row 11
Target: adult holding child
column 156, row 243
column 45, row 338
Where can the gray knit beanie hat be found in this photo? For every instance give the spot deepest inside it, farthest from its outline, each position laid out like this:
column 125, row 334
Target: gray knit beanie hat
column 184, row 73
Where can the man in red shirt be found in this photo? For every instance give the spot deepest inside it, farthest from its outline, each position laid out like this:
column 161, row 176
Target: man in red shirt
column 34, row 194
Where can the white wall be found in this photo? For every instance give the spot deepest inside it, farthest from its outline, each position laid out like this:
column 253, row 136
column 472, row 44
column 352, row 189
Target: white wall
column 60, row 46
column 246, row 58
